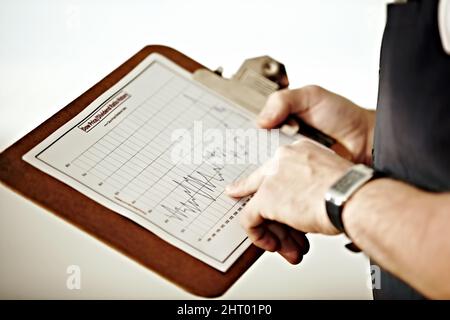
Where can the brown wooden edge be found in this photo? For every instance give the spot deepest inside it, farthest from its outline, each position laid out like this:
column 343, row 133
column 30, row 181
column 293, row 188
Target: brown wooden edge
column 111, row 228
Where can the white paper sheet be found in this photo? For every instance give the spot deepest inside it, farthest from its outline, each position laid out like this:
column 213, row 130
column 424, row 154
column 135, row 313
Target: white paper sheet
column 119, row 152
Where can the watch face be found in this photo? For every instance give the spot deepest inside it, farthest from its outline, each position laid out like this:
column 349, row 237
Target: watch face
column 347, row 181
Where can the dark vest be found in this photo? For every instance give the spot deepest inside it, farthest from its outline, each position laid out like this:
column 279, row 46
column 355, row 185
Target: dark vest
column 412, row 134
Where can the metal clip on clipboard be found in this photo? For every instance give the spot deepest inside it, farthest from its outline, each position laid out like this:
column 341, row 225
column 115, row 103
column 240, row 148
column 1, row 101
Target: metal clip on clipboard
column 250, row 87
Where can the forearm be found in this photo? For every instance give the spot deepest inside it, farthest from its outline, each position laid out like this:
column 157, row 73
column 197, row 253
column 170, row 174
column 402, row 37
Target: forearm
column 406, row 231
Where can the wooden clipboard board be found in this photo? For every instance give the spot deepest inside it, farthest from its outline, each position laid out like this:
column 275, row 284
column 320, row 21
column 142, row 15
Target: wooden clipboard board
column 109, row 227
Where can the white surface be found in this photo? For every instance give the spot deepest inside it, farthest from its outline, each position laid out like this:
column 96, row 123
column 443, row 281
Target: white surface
column 52, row 51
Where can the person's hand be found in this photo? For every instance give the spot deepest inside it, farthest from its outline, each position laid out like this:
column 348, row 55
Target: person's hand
column 288, row 192
column 334, row 115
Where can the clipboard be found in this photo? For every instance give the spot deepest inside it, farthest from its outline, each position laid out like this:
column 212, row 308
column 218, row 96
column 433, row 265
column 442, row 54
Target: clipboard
column 249, row 87
column 107, row 226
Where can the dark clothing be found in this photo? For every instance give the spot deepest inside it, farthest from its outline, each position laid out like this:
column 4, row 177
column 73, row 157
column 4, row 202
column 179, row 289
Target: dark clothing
column 412, row 134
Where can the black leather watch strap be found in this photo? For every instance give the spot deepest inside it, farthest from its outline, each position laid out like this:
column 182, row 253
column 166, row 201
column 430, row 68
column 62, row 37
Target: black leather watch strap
column 335, row 215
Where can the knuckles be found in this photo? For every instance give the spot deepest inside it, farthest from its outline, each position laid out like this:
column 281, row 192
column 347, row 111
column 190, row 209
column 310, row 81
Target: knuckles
column 283, row 97
column 313, row 90
column 285, row 151
column 302, row 149
column 278, row 98
column 300, row 157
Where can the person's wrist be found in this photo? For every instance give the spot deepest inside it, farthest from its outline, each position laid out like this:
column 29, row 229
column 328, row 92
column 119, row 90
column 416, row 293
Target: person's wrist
column 358, row 204
column 345, row 189
column 341, row 168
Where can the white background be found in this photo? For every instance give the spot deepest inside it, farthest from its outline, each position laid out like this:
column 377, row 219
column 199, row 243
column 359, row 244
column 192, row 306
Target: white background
column 53, row 51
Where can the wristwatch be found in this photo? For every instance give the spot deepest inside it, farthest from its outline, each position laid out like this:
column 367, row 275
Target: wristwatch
column 343, row 189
